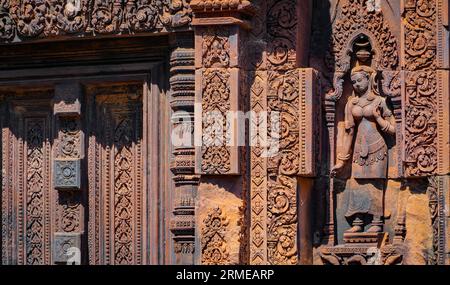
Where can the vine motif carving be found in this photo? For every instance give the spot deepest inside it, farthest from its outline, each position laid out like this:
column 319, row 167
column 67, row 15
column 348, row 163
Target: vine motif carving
column 123, row 193
column 283, row 129
column 69, row 139
column 31, row 19
column 420, row 124
column 420, row 34
column 421, row 88
column 281, row 23
column 215, row 104
column 282, row 221
column 70, row 207
column 214, row 244
column 35, row 192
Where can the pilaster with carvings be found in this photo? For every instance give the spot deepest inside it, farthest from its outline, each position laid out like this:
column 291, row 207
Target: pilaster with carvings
column 220, row 30
column 182, row 84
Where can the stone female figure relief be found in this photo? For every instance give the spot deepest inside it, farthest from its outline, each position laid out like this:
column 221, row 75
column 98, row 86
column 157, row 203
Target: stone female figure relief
column 368, row 120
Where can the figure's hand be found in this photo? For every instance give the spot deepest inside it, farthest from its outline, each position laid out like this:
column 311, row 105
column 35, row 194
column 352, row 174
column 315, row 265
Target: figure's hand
column 376, row 113
column 336, row 169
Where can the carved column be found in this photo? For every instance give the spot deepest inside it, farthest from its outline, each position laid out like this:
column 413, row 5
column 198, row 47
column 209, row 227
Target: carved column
column 182, row 85
column 68, row 155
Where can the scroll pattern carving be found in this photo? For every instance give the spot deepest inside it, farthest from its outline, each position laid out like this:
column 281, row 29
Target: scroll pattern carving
column 70, row 211
column 33, row 19
column 214, row 244
column 69, row 142
column 68, row 147
column 421, row 87
column 282, row 97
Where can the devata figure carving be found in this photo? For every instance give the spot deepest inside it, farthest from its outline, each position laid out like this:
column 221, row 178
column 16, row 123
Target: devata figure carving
column 368, row 117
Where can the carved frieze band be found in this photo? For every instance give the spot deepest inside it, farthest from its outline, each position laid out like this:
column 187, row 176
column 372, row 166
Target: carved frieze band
column 28, row 19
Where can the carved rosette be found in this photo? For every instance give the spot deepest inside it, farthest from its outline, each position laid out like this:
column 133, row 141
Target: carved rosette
column 42, row 18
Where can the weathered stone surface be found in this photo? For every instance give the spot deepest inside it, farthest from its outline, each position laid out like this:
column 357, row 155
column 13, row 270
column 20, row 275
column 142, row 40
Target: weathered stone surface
column 213, row 196
column 419, row 240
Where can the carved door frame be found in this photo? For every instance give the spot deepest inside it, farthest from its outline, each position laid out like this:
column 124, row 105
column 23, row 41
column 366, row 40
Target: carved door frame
column 152, row 71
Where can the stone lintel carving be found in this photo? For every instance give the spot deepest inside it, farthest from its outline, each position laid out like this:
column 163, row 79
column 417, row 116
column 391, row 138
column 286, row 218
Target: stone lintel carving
column 66, row 248
column 26, row 19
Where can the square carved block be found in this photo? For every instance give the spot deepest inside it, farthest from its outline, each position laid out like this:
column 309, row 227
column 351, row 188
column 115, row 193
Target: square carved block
column 67, row 248
column 67, row 174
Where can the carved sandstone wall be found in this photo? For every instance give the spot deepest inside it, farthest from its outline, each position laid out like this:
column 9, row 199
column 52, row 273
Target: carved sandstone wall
column 314, row 132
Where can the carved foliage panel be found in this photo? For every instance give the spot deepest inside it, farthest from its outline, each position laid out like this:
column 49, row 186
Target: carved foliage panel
column 26, row 187
column 213, row 241
column 116, row 191
column 421, row 88
column 217, row 89
column 29, row 19
column 282, row 98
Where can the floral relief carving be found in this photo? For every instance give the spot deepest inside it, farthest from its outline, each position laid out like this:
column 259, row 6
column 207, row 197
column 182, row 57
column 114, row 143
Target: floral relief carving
column 420, row 34
column 282, row 99
column 282, row 221
column 214, row 244
column 31, row 19
column 69, row 139
column 215, row 104
column 35, row 186
column 421, row 124
column 216, row 49
column 123, row 193
column 421, row 121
